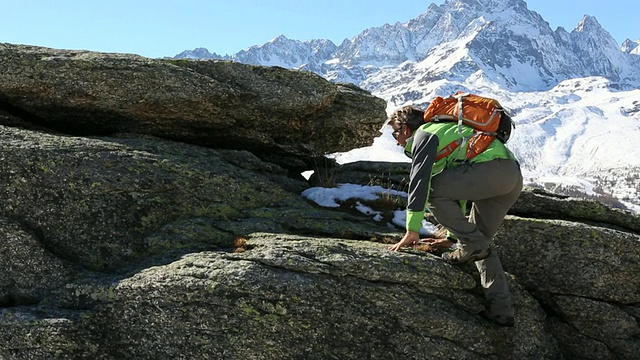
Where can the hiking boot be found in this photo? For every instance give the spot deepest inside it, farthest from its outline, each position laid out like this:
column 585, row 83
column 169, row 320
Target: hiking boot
column 502, row 320
column 465, row 253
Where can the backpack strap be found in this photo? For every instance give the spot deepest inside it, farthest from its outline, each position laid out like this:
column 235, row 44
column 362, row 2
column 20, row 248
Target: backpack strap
column 449, row 149
column 455, row 144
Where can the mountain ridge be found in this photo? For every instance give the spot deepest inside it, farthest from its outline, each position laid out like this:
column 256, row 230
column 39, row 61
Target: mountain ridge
column 439, row 24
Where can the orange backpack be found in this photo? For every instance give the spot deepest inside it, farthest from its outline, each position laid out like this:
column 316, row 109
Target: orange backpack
column 485, row 115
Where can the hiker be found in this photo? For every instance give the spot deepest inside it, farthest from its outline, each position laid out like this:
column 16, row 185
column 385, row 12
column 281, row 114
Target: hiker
column 492, row 180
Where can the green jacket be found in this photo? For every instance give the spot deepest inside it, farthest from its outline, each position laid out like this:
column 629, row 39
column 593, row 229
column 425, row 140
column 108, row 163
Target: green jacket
column 427, row 141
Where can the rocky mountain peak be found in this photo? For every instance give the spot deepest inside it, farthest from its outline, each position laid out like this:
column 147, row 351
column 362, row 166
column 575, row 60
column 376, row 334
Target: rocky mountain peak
column 483, row 6
column 599, row 51
column 197, row 53
column 589, row 27
column 631, row 47
column 589, row 23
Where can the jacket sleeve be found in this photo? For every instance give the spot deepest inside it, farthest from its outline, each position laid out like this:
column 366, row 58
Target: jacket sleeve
column 423, row 151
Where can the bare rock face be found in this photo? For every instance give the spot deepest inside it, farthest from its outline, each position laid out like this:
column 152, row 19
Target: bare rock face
column 149, row 211
column 273, row 112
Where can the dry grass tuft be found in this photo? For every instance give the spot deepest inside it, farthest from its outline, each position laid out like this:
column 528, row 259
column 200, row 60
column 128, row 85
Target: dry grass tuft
column 240, row 244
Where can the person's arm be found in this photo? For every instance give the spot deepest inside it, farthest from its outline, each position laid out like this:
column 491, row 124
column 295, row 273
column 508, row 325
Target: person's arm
column 424, row 150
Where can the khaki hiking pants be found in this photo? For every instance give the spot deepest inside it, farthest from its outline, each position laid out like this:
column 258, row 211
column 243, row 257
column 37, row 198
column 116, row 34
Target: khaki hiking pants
column 493, row 186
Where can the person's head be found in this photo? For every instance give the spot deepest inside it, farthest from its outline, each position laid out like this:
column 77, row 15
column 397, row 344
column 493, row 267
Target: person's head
column 404, row 122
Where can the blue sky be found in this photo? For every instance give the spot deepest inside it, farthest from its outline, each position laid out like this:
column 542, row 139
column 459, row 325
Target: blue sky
column 157, row 28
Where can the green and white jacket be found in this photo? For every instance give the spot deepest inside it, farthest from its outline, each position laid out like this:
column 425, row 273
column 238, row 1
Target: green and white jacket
column 427, row 141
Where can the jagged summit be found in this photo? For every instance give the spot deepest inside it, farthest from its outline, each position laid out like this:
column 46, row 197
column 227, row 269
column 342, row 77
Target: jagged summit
column 197, row 53
column 588, row 21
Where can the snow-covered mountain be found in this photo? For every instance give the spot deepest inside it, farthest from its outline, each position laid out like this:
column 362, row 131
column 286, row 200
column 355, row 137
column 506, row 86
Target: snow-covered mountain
column 278, row 52
column 631, row 47
column 574, row 95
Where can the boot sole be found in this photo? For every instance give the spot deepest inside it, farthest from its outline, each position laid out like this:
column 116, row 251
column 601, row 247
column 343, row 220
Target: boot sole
column 472, row 258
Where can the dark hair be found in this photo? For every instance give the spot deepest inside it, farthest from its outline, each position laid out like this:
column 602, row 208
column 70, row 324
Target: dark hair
column 410, row 115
